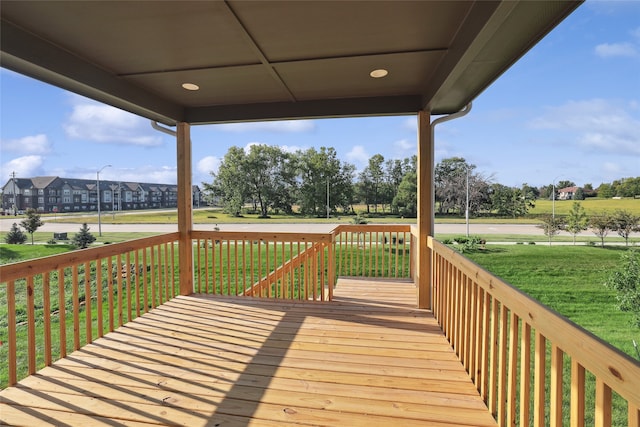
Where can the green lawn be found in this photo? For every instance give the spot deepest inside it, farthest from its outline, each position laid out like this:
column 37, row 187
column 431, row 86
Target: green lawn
column 568, row 279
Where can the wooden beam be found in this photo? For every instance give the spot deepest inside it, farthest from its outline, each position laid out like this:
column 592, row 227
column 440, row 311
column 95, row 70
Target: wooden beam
column 425, row 207
column 185, row 212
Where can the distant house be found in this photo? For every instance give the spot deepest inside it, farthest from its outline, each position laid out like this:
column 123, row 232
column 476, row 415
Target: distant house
column 567, row 193
column 56, row 194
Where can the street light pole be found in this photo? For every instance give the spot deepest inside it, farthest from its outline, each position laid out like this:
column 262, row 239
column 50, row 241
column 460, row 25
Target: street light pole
column 553, row 198
column 328, row 210
column 98, row 197
column 466, row 213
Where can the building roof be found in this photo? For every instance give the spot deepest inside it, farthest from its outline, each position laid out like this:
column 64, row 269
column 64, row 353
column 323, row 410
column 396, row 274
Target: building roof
column 261, row 60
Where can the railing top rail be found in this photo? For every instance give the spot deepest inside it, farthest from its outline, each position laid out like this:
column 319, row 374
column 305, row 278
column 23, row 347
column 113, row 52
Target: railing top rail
column 31, row 267
column 259, row 235
column 615, row 368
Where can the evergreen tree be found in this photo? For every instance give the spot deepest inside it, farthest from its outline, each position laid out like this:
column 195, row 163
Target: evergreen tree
column 15, row 236
column 32, row 222
column 83, row 238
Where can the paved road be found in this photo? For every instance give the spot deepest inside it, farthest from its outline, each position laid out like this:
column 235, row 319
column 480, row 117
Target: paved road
column 480, row 229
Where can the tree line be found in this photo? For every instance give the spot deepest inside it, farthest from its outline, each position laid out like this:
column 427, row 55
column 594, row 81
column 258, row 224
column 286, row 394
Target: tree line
column 318, row 183
column 622, row 222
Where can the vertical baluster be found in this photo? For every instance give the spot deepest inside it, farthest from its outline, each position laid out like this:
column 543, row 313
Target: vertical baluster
column 62, row 313
column 493, row 363
column 99, row 297
column 145, row 280
column 603, row 404
column 12, row 335
column 228, row 243
column 539, row 380
column 88, row 314
column 525, row 374
column 236, row 272
column 172, row 271
column 152, row 282
column 244, row 265
column 46, row 314
column 119, row 289
column 128, row 272
column 555, row 401
column 502, row 372
column 137, row 280
column 76, row 307
column 486, row 337
column 513, row 369
column 168, row 280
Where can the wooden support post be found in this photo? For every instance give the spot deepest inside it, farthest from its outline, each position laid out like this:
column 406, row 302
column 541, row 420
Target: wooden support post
column 185, row 208
column 426, row 202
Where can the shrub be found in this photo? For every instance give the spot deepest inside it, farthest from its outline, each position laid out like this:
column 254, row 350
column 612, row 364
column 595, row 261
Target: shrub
column 626, row 282
column 15, row 236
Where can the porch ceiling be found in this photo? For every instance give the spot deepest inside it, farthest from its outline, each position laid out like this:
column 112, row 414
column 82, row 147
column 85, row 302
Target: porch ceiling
column 261, row 60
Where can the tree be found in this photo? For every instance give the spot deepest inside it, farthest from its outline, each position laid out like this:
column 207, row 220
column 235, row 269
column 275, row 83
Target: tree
column 601, row 225
column 625, row 223
column 626, row 283
column 509, row 201
column 83, row 238
column 319, row 172
column 15, row 236
column 551, row 226
column 230, row 182
column 271, row 177
column 577, row 220
column 32, row 222
column 406, row 200
column 371, row 182
column 579, row 194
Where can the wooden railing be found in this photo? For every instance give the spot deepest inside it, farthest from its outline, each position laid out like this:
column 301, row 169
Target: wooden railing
column 373, row 250
column 530, row 365
column 266, row 265
column 60, row 303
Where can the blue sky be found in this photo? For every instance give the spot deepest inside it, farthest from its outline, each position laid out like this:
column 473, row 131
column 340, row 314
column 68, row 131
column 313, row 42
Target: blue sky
column 570, row 109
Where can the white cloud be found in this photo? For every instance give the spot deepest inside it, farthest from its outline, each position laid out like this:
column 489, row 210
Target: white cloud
column 600, row 124
column 410, row 123
column 108, row 125
column 405, row 148
column 148, row 173
column 607, row 50
column 26, row 166
column 208, row 164
column 35, row 144
column 358, row 155
column 285, row 126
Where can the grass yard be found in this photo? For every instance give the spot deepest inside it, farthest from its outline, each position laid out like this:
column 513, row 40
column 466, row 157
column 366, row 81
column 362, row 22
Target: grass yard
column 568, row 279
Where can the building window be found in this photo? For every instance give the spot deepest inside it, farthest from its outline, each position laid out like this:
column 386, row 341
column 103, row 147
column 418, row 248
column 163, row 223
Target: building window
column 52, row 199
column 41, row 200
column 66, row 200
column 27, row 191
column 41, row 191
column 66, row 192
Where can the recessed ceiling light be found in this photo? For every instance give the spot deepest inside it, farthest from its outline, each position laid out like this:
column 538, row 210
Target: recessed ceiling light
column 190, row 86
column 379, row 73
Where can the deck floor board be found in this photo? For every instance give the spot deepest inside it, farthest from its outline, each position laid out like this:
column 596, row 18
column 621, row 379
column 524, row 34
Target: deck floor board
column 369, row 358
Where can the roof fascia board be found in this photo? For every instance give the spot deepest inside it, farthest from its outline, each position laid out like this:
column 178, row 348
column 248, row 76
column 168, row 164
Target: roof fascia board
column 32, row 56
column 493, row 26
column 351, row 107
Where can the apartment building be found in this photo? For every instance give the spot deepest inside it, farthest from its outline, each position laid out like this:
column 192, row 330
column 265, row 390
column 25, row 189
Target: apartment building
column 57, row 194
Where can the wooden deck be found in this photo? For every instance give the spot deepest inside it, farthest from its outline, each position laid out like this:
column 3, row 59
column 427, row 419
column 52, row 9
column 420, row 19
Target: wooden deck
column 368, row 359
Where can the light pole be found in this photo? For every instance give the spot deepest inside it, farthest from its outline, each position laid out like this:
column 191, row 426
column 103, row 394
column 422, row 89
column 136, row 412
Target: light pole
column 98, row 197
column 553, row 198
column 466, row 213
column 328, row 209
